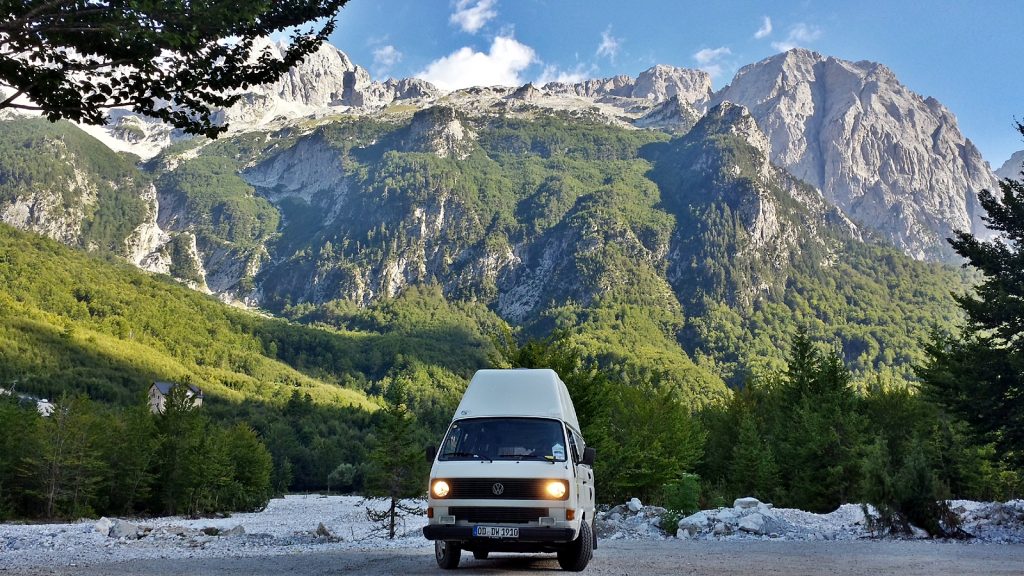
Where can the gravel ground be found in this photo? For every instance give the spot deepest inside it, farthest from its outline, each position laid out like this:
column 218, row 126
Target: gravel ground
column 328, row 535
column 617, row 557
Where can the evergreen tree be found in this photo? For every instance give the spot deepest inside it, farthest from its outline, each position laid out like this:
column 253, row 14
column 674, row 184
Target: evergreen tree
column 181, row 456
column 16, row 443
column 75, row 58
column 753, row 470
column 978, row 375
column 129, row 455
column 397, row 468
column 818, row 429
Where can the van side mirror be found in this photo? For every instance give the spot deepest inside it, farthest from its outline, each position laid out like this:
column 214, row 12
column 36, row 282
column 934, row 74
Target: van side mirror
column 431, row 452
column 588, row 456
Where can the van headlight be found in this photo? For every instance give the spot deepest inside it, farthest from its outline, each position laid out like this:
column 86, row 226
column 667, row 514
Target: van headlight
column 556, row 489
column 439, row 488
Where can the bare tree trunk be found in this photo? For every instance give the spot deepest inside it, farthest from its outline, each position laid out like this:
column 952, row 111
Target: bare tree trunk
column 394, row 512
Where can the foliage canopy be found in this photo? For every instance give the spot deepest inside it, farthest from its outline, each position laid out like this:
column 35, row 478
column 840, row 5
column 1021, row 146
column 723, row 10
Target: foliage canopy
column 170, row 60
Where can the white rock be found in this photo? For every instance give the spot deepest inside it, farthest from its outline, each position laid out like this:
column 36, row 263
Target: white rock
column 103, row 526
column 918, row 533
column 720, row 529
column 700, row 519
column 753, row 523
column 124, row 529
column 236, row 531
column 743, row 503
column 726, row 515
column 634, row 505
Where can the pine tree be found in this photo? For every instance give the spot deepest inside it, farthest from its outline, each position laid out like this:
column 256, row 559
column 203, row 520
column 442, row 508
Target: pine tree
column 753, row 470
column 75, row 59
column 978, row 375
column 818, row 429
column 397, row 468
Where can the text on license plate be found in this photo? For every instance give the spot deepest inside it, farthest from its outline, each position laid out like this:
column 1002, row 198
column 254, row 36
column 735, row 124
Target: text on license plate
column 495, row 532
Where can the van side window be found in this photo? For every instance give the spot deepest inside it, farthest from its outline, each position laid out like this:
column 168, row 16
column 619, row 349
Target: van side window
column 575, row 444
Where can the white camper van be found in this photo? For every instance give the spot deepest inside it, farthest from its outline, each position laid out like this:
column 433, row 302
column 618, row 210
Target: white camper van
column 513, row 473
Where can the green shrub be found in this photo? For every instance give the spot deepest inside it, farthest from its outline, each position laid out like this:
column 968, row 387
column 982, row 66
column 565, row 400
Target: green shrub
column 670, row 521
column 682, row 495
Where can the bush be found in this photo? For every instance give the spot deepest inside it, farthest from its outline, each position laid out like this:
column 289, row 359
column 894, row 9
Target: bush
column 682, row 495
column 670, row 521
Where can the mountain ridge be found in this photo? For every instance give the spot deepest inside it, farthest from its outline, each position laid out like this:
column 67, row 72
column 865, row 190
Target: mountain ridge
column 895, row 162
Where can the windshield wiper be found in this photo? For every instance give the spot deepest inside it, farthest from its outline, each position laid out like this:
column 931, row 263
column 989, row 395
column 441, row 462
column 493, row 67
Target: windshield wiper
column 549, row 458
column 465, row 455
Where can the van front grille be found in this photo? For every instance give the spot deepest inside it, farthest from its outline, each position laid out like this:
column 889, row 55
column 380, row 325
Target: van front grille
column 487, row 488
column 498, row 515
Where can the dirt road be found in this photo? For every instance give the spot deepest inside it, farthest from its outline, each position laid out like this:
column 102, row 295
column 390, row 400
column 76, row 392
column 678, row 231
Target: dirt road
column 618, row 558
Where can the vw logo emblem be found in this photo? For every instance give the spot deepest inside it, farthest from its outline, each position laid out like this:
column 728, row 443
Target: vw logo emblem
column 498, row 488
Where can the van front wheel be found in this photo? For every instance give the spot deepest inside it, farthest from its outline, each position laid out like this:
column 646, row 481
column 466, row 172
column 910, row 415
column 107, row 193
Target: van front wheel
column 577, row 554
column 447, row 554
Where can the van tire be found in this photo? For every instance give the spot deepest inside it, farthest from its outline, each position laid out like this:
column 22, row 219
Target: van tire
column 577, row 554
column 481, row 554
column 447, row 554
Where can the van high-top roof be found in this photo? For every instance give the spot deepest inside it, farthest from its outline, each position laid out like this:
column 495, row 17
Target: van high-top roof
column 517, row 392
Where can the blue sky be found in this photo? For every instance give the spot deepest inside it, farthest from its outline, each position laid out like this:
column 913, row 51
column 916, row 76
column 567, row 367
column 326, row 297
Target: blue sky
column 967, row 54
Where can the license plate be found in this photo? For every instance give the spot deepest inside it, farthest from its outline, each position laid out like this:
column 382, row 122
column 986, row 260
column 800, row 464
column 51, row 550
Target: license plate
column 495, row 532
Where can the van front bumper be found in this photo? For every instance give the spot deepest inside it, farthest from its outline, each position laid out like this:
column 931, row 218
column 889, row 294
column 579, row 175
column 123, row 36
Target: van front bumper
column 526, row 534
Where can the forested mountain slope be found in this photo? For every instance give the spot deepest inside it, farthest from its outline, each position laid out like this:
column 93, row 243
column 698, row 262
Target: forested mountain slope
column 689, row 256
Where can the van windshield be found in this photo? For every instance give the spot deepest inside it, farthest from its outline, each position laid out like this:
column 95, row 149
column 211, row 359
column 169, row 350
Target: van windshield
column 505, row 439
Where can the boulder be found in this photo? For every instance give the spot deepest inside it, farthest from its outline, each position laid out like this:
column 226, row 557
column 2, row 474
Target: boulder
column 753, row 523
column 323, row 532
column 720, row 529
column 123, row 529
column 634, row 505
column 236, row 531
column 698, row 518
column 103, row 526
column 726, row 515
column 744, row 503
column 918, row 533
column 211, row 531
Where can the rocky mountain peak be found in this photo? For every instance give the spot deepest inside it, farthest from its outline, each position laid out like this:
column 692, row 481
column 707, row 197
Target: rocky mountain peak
column 893, row 161
column 662, row 82
column 438, row 130
column 656, row 84
column 526, row 93
column 672, row 115
column 734, row 119
column 1012, row 167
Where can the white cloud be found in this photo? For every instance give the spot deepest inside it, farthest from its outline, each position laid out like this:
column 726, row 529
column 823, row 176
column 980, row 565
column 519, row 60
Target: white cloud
column 471, row 16
column 609, row 45
column 765, row 29
column 799, row 35
column 709, row 55
column 555, row 74
column 500, row 66
column 384, row 58
column 710, row 60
